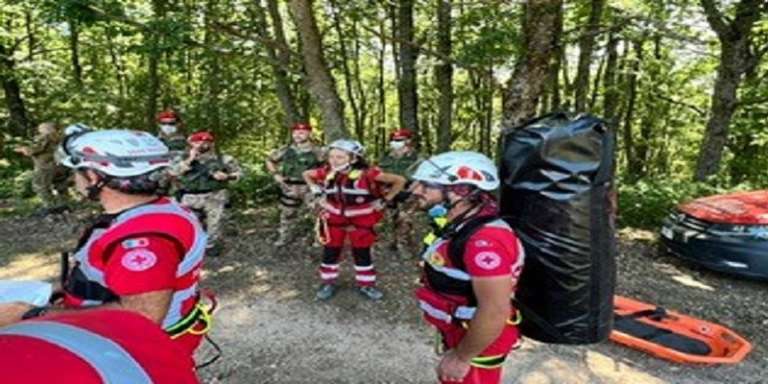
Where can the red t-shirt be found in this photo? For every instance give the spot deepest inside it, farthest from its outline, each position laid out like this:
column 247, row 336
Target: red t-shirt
column 143, row 264
column 493, row 250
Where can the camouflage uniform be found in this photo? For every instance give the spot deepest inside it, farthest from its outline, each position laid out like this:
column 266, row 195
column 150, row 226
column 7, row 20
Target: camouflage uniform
column 177, row 145
column 293, row 161
column 201, row 192
column 405, row 215
column 48, row 175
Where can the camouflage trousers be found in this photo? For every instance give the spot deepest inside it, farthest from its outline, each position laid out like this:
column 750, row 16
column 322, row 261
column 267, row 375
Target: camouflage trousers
column 294, row 200
column 212, row 206
column 50, row 183
column 404, row 227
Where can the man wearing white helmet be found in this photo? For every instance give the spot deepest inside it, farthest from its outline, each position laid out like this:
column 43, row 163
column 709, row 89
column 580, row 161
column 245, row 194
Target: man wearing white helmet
column 145, row 252
column 470, row 267
column 352, row 203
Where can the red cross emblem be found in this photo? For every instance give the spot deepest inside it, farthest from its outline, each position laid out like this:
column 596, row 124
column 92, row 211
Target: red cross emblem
column 139, row 260
column 488, row 260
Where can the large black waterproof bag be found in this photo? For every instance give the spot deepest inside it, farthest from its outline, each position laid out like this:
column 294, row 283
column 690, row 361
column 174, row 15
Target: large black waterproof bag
column 558, row 193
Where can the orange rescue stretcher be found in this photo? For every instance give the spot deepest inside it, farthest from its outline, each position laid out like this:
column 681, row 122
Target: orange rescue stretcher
column 673, row 336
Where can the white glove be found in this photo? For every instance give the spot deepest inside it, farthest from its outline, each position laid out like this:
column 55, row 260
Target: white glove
column 315, row 189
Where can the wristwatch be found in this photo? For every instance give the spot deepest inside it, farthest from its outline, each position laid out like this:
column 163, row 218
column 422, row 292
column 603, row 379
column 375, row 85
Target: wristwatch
column 34, row 312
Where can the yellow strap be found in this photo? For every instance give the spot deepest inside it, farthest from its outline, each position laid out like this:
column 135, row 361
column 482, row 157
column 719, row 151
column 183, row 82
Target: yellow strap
column 205, row 316
column 517, row 319
column 482, row 361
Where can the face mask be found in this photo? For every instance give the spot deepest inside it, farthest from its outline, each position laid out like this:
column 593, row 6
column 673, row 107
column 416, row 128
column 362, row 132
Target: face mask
column 397, row 144
column 438, row 210
column 341, row 168
column 168, row 129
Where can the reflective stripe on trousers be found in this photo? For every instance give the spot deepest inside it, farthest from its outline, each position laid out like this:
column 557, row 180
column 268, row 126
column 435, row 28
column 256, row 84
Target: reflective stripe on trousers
column 113, row 364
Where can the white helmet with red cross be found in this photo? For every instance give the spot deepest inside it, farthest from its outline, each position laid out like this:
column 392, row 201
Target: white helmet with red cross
column 459, row 167
column 118, row 153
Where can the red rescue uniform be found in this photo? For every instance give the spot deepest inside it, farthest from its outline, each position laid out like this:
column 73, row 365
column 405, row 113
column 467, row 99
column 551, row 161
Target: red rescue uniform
column 155, row 246
column 91, row 347
column 350, row 208
column 447, row 299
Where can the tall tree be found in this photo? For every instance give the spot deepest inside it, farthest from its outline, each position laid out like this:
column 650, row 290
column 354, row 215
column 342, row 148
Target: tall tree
column 279, row 62
column 18, row 121
column 349, row 84
column 530, row 75
column 74, row 48
column 586, row 48
column 737, row 56
column 322, row 86
column 153, row 45
column 408, row 55
column 444, row 76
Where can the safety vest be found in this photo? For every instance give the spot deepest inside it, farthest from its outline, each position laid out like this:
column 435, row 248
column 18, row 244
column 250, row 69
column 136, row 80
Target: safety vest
column 103, row 346
column 294, row 162
column 398, row 165
column 447, row 296
column 350, row 194
column 86, row 285
column 199, row 179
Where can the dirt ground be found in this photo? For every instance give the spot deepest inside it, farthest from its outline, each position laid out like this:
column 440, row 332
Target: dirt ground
column 272, row 331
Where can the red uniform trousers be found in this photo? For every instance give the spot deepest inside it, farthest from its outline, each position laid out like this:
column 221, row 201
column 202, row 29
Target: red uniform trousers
column 487, row 367
column 362, row 236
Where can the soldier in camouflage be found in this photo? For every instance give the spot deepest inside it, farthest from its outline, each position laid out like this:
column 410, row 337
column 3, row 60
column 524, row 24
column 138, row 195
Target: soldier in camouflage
column 50, row 181
column 203, row 177
column 287, row 165
column 169, row 134
column 400, row 160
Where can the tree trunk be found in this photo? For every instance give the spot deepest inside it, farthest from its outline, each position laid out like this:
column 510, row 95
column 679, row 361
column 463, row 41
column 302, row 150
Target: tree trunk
column 444, row 76
column 348, row 82
column 213, row 75
column 529, row 78
column 279, row 63
column 116, row 62
column 407, row 86
column 74, row 49
column 322, row 86
column 30, row 27
column 555, row 103
column 586, row 47
column 596, row 84
column 153, row 77
column 611, row 93
column 634, row 164
column 382, row 93
column 736, row 55
column 18, row 122
column 360, row 89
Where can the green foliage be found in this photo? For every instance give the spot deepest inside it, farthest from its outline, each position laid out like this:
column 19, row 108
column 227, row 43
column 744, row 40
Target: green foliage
column 646, row 203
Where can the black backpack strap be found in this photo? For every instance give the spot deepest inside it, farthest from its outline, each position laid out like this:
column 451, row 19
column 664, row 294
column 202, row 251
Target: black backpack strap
column 459, row 237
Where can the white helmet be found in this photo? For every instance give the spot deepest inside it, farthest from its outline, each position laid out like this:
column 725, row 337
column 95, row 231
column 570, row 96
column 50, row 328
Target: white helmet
column 347, row 145
column 459, row 167
column 119, row 153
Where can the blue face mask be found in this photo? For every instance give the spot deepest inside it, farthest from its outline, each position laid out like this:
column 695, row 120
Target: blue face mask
column 438, row 210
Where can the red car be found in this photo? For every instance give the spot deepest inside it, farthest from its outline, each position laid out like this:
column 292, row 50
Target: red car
column 727, row 233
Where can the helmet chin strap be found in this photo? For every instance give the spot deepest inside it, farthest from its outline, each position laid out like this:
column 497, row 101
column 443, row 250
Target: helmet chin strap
column 93, row 191
column 451, row 205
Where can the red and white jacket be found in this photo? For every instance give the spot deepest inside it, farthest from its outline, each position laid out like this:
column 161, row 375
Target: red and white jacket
column 349, row 194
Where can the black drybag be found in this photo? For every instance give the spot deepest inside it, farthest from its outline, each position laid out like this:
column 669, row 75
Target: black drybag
column 558, row 193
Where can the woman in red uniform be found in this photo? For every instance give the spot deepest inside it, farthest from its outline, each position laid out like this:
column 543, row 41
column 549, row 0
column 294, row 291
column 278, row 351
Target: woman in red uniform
column 352, row 200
